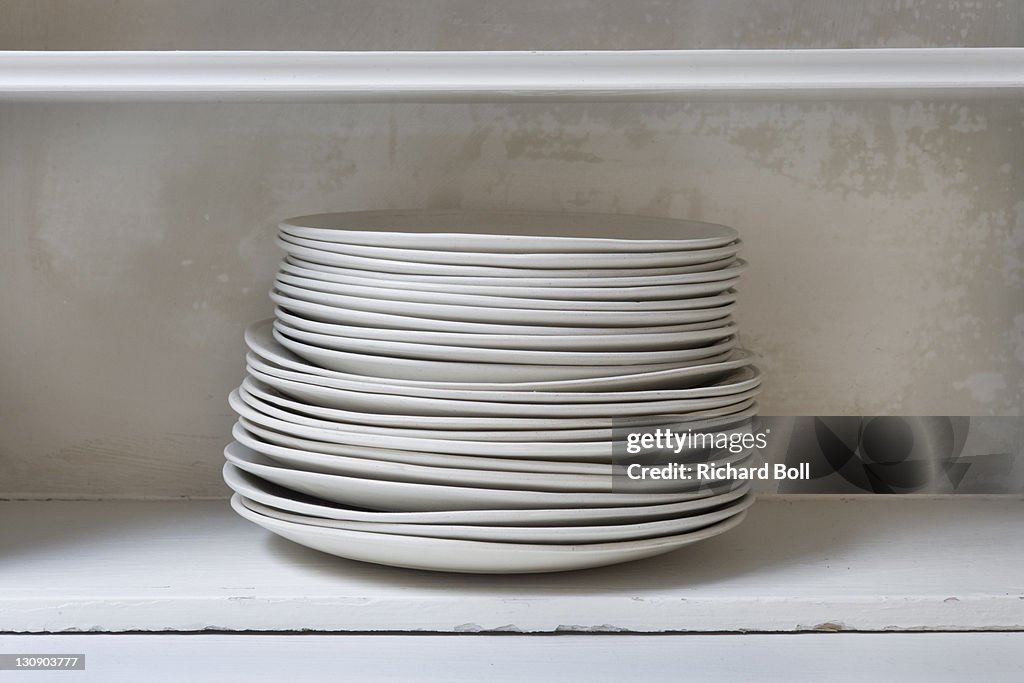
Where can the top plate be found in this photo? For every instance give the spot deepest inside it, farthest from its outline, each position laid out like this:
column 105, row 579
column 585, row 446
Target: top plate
column 510, row 232
column 516, row 265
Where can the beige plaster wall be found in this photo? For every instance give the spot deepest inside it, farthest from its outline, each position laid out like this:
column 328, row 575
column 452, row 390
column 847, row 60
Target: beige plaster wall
column 886, row 238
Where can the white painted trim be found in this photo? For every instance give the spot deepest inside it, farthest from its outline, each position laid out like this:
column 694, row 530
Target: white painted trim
column 443, row 76
column 857, row 564
column 776, row 658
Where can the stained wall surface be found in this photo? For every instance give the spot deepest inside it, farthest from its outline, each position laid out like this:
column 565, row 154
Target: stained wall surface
column 520, row 25
column 886, row 238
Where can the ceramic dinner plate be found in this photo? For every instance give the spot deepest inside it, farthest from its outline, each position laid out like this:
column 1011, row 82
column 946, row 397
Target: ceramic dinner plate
column 383, row 291
column 312, row 461
column 697, row 334
column 552, row 445
column 380, row 366
column 561, row 431
column 416, row 411
column 382, row 494
column 531, row 232
column 516, row 443
column 449, row 555
column 250, row 434
column 245, row 431
column 497, row 356
column 268, row 493
column 366, row 468
column 386, row 259
column 262, row 397
column 697, row 284
column 335, row 306
column 260, row 340
column 533, row 261
column 548, row 535
column 331, row 314
column 712, row 270
column 317, row 252
column 395, row 398
column 354, row 396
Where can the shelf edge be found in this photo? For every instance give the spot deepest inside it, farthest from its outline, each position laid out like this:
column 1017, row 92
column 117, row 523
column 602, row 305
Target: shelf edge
column 460, row 76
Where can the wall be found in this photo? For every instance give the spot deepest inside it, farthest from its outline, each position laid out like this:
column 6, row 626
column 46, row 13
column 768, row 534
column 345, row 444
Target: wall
column 886, row 237
column 519, row 25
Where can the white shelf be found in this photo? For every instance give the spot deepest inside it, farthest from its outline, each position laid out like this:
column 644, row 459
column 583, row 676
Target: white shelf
column 648, row 74
column 797, row 564
column 930, row 657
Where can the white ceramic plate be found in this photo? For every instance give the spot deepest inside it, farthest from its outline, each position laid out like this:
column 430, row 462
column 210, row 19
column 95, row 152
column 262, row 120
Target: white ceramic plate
column 577, row 419
column 701, row 333
column 260, row 340
column 417, row 261
column 330, row 314
column 698, row 272
column 403, row 496
column 275, row 496
column 245, row 432
column 422, row 473
column 381, row 397
column 392, row 367
column 335, row 307
column 577, row 445
column 559, row 430
column 386, row 470
column 466, row 442
column 699, row 284
column 310, row 250
column 250, row 434
column 549, row 260
column 470, row 354
column 382, row 291
column 510, row 231
column 448, row 555
column 509, row 534
column 465, row 405
column 415, row 411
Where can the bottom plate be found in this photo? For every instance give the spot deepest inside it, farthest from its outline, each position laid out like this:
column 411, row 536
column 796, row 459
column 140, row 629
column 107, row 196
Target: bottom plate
column 252, row 487
column 549, row 535
column 404, row 496
column 474, row 557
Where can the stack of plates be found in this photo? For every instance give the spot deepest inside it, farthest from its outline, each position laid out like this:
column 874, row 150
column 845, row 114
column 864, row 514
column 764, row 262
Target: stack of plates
column 438, row 390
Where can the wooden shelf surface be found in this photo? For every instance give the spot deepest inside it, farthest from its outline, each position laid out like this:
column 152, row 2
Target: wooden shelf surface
column 797, row 564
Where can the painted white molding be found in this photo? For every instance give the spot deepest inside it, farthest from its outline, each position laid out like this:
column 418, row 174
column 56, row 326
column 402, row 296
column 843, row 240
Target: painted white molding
column 454, row 76
column 871, row 563
column 769, row 658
